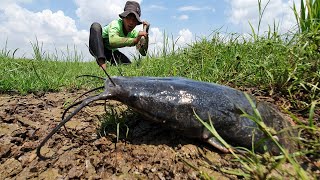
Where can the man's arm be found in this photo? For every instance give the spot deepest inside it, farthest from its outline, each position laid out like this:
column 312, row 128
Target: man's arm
column 116, row 41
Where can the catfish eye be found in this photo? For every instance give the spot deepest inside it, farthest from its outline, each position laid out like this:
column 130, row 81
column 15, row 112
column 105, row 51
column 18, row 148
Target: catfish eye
column 133, row 97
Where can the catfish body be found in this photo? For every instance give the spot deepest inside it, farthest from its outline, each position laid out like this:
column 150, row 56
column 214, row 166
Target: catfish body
column 174, row 101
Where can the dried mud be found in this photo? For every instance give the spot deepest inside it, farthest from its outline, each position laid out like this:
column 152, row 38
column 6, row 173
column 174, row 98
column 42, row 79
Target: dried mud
column 150, row 151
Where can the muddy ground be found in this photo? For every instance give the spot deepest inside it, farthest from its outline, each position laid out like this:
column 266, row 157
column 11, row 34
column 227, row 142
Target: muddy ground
column 149, row 152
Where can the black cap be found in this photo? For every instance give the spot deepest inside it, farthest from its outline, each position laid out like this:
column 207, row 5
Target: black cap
column 132, row 7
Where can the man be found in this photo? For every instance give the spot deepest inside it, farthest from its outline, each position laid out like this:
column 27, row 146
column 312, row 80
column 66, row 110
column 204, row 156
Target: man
column 103, row 42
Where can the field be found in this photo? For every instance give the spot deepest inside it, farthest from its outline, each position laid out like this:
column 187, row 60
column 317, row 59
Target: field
column 117, row 143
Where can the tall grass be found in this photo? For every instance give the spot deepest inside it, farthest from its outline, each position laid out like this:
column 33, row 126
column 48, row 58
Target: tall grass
column 308, row 18
column 45, row 72
column 5, row 52
column 265, row 166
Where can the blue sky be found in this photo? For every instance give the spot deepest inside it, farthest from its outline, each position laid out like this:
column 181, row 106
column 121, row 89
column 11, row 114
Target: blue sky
column 60, row 23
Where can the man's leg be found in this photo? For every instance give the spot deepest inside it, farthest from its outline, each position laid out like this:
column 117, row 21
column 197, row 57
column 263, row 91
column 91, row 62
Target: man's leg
column 121, row 58
column 108, row 55
column 96, row 44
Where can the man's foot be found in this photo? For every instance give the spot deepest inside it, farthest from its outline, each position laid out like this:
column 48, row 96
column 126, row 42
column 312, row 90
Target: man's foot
column 101, row 62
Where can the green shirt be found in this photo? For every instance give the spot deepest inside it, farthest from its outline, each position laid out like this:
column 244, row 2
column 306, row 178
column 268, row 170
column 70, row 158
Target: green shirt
column 114, row 37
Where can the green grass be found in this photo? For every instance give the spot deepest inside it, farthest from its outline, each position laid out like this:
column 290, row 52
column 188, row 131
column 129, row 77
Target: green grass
column 27, row 76
column 272, row 65
column 308, row 17
column 44, row 74
column 256, row 166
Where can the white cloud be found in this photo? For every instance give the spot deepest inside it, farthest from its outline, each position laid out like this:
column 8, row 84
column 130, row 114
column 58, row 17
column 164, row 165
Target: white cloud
column 54, row 30
column 156, row 7
column 4, row 3
column 189, row 8
column 244, row 11
column 194, row 8
column 157, row 40
column 182, row 17
column 185, row 38
column 102, row 11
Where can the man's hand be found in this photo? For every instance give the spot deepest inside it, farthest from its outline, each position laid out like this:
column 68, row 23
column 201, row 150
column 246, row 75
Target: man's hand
column 141, row 34
column 143, row 42
column 146, row 26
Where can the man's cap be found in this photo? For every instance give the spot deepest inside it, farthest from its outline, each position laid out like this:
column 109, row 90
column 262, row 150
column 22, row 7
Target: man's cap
column 132, row 7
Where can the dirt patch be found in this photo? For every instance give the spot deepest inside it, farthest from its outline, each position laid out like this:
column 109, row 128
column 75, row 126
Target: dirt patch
column 150, row 152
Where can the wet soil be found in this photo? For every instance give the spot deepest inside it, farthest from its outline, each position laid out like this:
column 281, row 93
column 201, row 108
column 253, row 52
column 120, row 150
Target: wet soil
column 149, row 152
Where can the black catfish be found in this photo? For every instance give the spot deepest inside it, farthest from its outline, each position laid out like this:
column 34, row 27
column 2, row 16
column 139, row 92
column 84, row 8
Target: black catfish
column 174, row 101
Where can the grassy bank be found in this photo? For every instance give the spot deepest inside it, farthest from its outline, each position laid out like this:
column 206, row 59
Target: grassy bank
column 290, row 69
